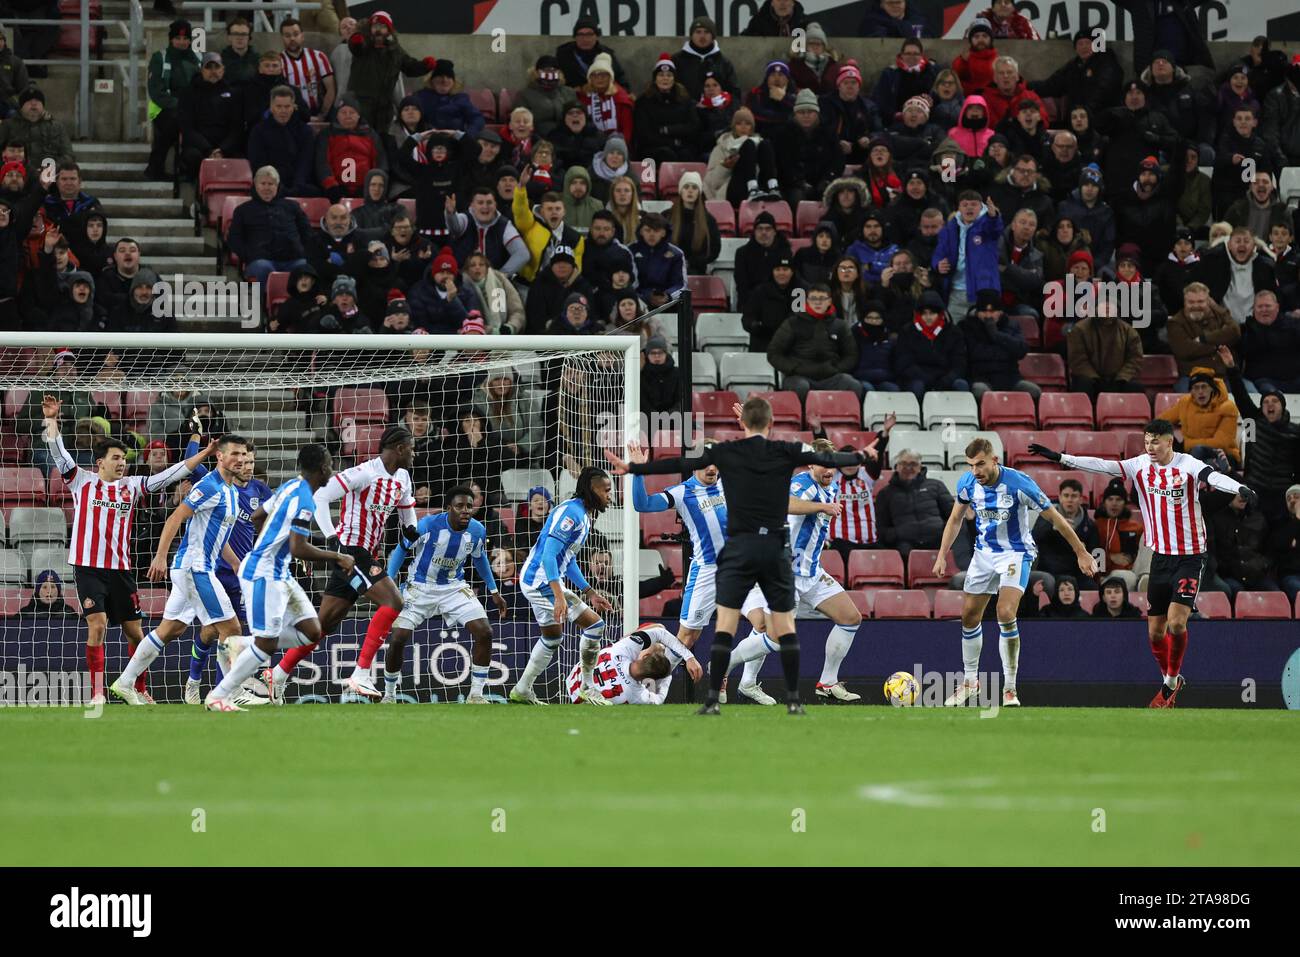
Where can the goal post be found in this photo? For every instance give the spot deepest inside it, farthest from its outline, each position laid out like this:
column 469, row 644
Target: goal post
column 516, row 416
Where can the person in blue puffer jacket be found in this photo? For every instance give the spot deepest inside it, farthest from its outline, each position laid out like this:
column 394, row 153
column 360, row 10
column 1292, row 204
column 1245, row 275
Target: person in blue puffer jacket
column 443, row 104
column 966, row 256
column 873, row 250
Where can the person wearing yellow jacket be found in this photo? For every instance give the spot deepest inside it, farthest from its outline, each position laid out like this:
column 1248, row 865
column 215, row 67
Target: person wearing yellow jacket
column 544, row 230
column 170, row 73
column 1208, row 417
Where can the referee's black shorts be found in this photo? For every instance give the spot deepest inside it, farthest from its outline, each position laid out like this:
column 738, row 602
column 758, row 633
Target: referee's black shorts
column 751, row 559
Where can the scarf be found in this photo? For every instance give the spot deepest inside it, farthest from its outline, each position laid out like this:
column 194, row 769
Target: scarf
column 599, row 168
column 816, row 63
column 921, row 64
column 603, row 110
column 930, row 332
column 719, row 102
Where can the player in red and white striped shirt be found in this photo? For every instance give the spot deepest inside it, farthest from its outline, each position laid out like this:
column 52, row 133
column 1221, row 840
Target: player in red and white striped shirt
column 99, row 551
column 855, row 526
column 1175, row 532
column 307, row 70
column 371, row 492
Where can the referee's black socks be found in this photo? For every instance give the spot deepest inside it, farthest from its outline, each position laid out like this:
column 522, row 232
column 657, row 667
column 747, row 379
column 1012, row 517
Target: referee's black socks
column 790, row 664
column 719, row 660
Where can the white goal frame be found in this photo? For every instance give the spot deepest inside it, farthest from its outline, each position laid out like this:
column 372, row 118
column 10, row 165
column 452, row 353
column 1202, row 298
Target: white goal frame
column 629, row 346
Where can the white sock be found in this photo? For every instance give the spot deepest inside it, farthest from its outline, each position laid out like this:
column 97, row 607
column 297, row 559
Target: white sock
column 755, row 645
column 1009, row 648
column 279, row 676
column 752, row 667
column 541, row 655
column 477, row 678
column 145, row 653
column 1171, row 681
column 392, row 683
column 837, row 646
column 773, row 184
column 588, row 648
column 225, row 654
column 249, row 660
column 972, row 643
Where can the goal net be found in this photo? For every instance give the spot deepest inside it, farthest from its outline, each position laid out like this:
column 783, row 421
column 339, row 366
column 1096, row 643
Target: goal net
column 516, row 418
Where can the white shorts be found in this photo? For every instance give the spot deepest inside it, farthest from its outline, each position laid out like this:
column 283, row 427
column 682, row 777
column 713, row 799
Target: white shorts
column 699, row 596
column 454, row 603
column 272, row 604
column 810, row 592
column 199, row 595
column 990, row 572
column 544, row 606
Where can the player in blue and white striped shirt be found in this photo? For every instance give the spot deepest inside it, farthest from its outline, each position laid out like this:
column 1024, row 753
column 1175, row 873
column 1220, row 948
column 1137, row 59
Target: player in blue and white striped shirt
column 1003, row 501
column 436, row 585
column 813, row 503
column 279, row 613
column 208, row 513
column 554, row 557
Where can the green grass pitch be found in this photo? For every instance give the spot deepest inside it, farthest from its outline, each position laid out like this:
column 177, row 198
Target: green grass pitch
column 457, row 785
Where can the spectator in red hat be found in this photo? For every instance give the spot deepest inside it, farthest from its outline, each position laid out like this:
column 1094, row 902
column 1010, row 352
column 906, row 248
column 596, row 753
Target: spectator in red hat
column 377, row 61
column 440, row 302
column 852, row 117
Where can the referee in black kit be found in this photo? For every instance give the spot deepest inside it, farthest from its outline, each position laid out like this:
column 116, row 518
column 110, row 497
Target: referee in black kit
column 756, row 473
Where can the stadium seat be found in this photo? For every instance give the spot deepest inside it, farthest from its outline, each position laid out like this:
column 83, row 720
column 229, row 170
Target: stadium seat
column 1123, row 410
column 779, row 209
column 881, row 481
column 53, row 558
column 920, row 568
column 1134, row 444
column 948, row 603
column 361, row 440
column 653, row 607
column 360, row 405
column 277, row 291
column 875, row 567
column 1029, row 330
column 21, row 485
column 801, row 436
column 483, row 101
column 515, row 483
column 899, row 603
column 787, row 413
column 704, row 372
column 742, row 372
column 1102, row 445
column 672, row 560
column 12, row 600
column 718, row 333
column 1087, row 600
column 854, row 437
column 1017, row 442
column 1065, row 410
column 111, row 401
column 37, row 524
column 507, row 516
column 1158, row 373
column 219, row 178
column 1262, row 604
column 1164, row 400
column 808, row 214
column 928, row 445
column 505, row 103
column 876, row 405
column 152, row 602
column 69, row 36
column 715, row 408
column 1288, row 184
column 826, row 408
column 313, row 207
column 14, row 449
column 942, row 409
column 1094, row 488
column 1046, row 369
column 833, row 564
column 949, row 478
column 671, row 173
column 656, row 527
column 644, row 173
column 861, row 601
column 656, row 205
column 13, row 568
column 654, row 484
column 137, row 409
column 955, row 448
column 708, row 294
column 1003, row 409
column 664, row 444
column 1050, row 479
column 1140, row 602
column 14, row 400
column 1213, row 604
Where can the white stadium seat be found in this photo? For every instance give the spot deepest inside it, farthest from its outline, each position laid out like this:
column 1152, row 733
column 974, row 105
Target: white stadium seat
column 875, row 405
column 956, row 408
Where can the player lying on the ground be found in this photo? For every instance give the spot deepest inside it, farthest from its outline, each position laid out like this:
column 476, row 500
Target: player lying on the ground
column 436, row 586
column 279, row 613
column 209, row 513
column 371, row 492
column 636, row 669
column 99, row 550
column 812, row 506
column 1168, row 494
column 554, row 557
column 1002, row 499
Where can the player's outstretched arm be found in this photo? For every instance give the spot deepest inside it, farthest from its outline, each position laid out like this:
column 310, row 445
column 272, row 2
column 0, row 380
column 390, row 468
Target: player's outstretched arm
column 173, row 474
column 158, row 567
column 300, row 546
column 1087, row 564
column 680, row 465
column 951, row 529
column 50, row 406
column 802, row 506
column 1225, row 483
column 1085, row 462
column 831, row 459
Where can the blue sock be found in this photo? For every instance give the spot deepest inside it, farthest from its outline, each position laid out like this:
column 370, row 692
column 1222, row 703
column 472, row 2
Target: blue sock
column 198, row 658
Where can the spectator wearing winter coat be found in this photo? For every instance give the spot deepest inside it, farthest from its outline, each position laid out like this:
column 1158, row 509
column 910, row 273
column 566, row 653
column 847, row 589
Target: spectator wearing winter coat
column 1275, row 452
column 816, row 262
column 1197, row 331
column 912, row 75
column 269, row 233
column 994, row 348
column 1058, row 242
column 1089, row 213
column 1234, row 271
column 547, row 96
column 444, row 105
column 576, row 140
column 66, row 205
column 966, row 256
column 347, row 151
column 1270, row 346
column 576, row 56
column 1260, row 209
column 211, row 118
column 440, row 302
column 170, row 73
column 770, row 304
column 1240, row 535
column 487, row 231
column 1281, row 122
column 755, row 259
column 543, row 229
column 661, row 380
column 974, row 68
column 1091, row 79
column 1146, row 212
column 255, row 94
column 495, row 296
column 814, row 349
column 331, row 246
column 1104, row 354
column 1021, row 264
column 1114, row 602
column 377, row 211
column 1135, row 132
column 912, row 508
column 1055, row 556
column 1239, row 146
column 742, row 165
column 845, row 201
column 608, row 104
column 1022, row 187
column 574, row 318
column 772, row 101
column 343, row 316
column 579, row 205
column 777, row 18
column 113, row 284
column 692, row 227
column 1170, row 92
column 972, row 132
column 555, row 284
column 700, row 54
column 1207, row 416
column 872, row 249
column 914, row 137
column 892, row 19
column 875, row 347
column 714, row 110
column 1008, row 92
column 930, row 354
column 302, row 311
column 851, row 117
column 660, row 266
column 665, row 123
column 375, row 273
column 816, row 68
column 283, row 141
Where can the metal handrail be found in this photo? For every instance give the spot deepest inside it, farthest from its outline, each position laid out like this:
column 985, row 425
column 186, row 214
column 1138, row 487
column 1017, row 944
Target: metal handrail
column 257, row 10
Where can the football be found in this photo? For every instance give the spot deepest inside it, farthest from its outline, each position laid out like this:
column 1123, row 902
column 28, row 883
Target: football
column 901, row 690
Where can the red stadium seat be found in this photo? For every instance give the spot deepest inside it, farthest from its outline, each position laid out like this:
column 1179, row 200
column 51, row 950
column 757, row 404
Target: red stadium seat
column 12, row 600
column 1121, row 409
column 137, row 409
column 708, row 294
column 665, row 445
column 833, row 564
column 1164, row 400
column 715, row 408
column 352, row 203
column 798, row 243
column 658, row 526
column 1134, row 444
column 807, row 216
column 14, row 401
column 898, row 603
column 1047, row 369
column 779, row 209
column 643, row 173
column 948, row 604
column 360, row 405
column 507, row 519
column 361, row 440
column 861, row 601
column 854, row 437
column 313, row 207
column 1262, row 604
column 21, row 485
column 882, row 481
column 653, row 607
column 1102, row 445
column 483, row 101
column 1001, row 409
column 69, row 38
column 825, row 408
column 872, row 567
column 1065, row 410
column 654, row 484
column 1094, row 488
column 408, row 205
column 920, row 568
column 671, row 173
column 802, row 436
column 1213, row 604
column 277, row 291
column 1088, row 600
column 725, row 433
column 672, row 559
column 1050, row 479
column 229, row 203
column 505, row 103
column 1016, row 442
column 1029, row 330
column 1140, row 602
column 219, row 178
column 14, row 449
column 152, row 602
column 787, row 413
column 111, row 401
column 722, row 211
column 1158, row 374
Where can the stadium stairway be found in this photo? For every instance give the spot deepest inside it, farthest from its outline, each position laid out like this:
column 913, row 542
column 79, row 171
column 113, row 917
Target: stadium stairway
column 146, row 211
column 274, row 422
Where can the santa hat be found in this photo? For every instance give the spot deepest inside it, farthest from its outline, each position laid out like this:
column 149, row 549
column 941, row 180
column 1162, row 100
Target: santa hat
column 382, row 16
column 473, row 324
